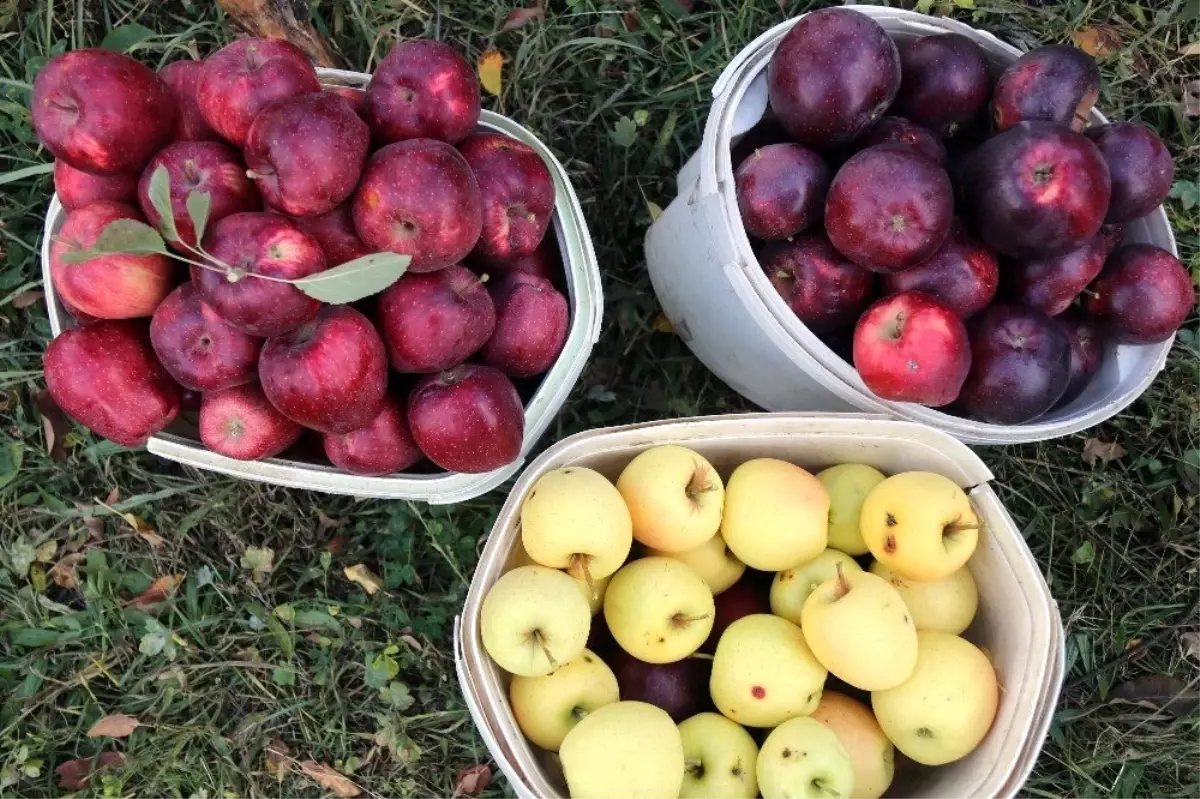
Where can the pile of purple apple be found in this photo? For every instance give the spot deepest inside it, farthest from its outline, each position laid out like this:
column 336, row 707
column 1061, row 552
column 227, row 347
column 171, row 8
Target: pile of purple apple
column 976, row 256
column 292, row 181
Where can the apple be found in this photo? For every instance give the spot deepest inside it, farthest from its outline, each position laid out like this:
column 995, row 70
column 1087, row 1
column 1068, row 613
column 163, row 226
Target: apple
column 105, row 376
column 334, row 231
column 792, row 587
column 199, row 166
column 920, row 525
column 241, row 79
column 117, row 286
column 517, row 194
column 658, row 609
column 764, row 673
column 833, row 74
column 1142, row 296
column 101, row 111
column 947, row 605
column 1052, row 283
column 200, row 350
column 260, row 244
column 872, row 755
column 1087, row 353
column 848, row 485
column 1139, row 165
column 1057, row 83
column 532, row 322
column 182, row 78
column 719, row 758
column 624, row 749
column 902, row 132
column 910, row 347
column 746, row 597
column 944, row 82
column 241, row 423
column 435, row 321
column 76, row 188
column 305, row 153
column 963, row 274
column 329, row 374
column 595, row 592
column 422, row 89
column 945, row 709
column 467, row 419
column 826, row 290
column 534, row 621
column 419, row 198
column 803, row 759
column 549, row 706
column 712, row 560
column 382, row 446
column 544, row 262
column 776, row 514
column 781, row 190
column 680, row 688
column 768, row 131
column 675, row 498
column 574, row 518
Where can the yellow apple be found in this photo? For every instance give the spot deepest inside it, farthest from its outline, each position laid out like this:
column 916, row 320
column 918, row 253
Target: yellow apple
column 848, row 485
column 594, row 593
column 944, row 710
column 920, row 525
column 575, row 519
column 719, row 757
column 547, row 707
column 764, row 673
column 871, row 754
column 803, row 759
column 675, row 498
column 776, row 515
column 858, row 627
column 626, row 749
column 658, row 609
column 712, row 560
column 792, row 586
column 534, row 620
column 947, row 605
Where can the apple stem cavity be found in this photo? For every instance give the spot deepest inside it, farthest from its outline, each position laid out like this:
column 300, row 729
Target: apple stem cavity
column 577, row 567
column 680, row 621
column 841, row 585
column 695, row 768
column 699, row 484
column 540, row 640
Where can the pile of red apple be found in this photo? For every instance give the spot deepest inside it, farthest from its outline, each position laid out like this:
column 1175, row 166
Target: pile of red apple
column 288, row 181
column 977, row 258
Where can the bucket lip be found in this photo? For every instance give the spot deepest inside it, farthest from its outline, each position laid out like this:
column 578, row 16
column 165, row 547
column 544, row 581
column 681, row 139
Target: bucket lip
column 585, row 295
column 716, row 178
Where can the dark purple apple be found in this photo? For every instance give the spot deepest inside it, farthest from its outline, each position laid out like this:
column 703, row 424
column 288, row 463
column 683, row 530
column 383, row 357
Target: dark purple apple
column 944, row 82
column 680, row 688
column 897, row 130
column 241, row 423
column 182, row 78
column 422, row 89
column 532, row 321
column 766, row 132
column 516, row 191
column 201, row 350
column 383, row 446
column 749, row 595
column 1020, row 365
column 467, row 419
column 1057, row 83
column 889, row 208
column 334, row 231
column 431, row 322
column 1052, row 283
column 1036, row 189
column 832, row 75
column 76, row 188
column 1140, row 166
column 1142, row 296
column 963, row 274
column 1087, row 352
column 781, row 191
column 544, row 262
column 1112, row 235
column 823, row 288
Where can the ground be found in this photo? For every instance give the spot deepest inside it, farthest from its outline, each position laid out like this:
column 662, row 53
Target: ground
column 266, row 645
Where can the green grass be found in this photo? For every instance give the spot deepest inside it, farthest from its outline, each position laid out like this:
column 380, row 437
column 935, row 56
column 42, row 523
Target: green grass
column 298, row 654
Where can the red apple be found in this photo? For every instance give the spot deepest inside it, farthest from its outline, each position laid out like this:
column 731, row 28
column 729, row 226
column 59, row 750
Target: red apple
column 467, row 419
column 204, row 166
column 334, row 231
column 350, row 94
column 306, row 153
column 749, row 595
column 419, row 198
column 896, row 130
column 963, row 274
column 117, row 286
column 1142, row 296
column 197, row 347
column 383, row 446
column 431, row 322
column 329, row 374
column 240, row 423
column 532, row 321
column 260, row 244
column 1057, row 83
column 1052, row 283
column 422, row 89
column 544, row 262
column 182, row 78
column 781, row 190
column 1140, row 166
column 244, row 77
column 944, row 82
column 823, row 288
column 1087, row 352
column 76, row 188
column 105, row 376
column 101, row 111
column 912, row 348
column 516, row 191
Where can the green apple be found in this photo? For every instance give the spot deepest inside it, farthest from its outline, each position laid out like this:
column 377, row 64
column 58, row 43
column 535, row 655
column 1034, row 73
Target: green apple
column 658, row 609
column 792, row 586
column 534, row 620
column 719, row 757
column 848, row 485
column 626, row 749
column 764, row 673
column 920, row 525
column 947, row 605
column 547, row 707
column 803, row 759
column 712, row 560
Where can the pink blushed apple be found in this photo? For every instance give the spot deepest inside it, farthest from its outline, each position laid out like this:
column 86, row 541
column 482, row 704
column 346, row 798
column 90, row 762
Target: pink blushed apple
column 240, row 423
column 383, row 446
column 467, row 419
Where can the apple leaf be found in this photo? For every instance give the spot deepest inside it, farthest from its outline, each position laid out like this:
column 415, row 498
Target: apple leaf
column 355, row 279
column 124, row 38
column 120, row 236
column 491, row 68
column 199, row 203
column 160, row 198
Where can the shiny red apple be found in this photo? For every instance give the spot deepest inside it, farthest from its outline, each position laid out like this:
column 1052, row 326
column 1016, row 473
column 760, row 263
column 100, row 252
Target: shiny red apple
column 382, row 446
column 516, row 192
column 76, row 188
column 197, row 347
column 422, row 89
column 467, row 419
column 182, row 78
column 431, row 322
column 532, row 321
column 241, row 423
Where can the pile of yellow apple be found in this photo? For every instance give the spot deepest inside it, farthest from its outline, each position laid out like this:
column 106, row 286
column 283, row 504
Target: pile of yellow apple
column 892, row 630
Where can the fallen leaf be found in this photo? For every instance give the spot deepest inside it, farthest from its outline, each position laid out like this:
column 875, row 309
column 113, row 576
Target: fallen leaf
column 1191, row 49
column 74, row 774
column 1096, row 450
column 27, row 298
column 45, row 551
column 1097, row 40
column 336, row 545
column 326, row 777
column 63, row 573
column 359, row 573
column 662, row 324
column 55, row 426
column 259, row 560
column 278, row 759
column 118, row 725
column 471, row 780
column 1169, row 695
column 1191, row 645
column 1189, row 104
column 159, row 590
column 491, row 67
column 655, row 210
column 94, row 526
column 144, row 530
column 326, row 523
column 114, row 495
column 522, row 16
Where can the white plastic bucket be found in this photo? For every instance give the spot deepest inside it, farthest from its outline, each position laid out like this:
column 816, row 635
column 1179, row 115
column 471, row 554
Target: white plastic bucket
column 181, row 442
column 1018, row 621
column 713, row 290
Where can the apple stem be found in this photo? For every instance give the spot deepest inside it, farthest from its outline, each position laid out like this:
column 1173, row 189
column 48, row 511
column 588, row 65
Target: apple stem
column 540, row 640
column 579, row 563
column 679, row 620
column 843, row 585
column 701, row 656
column 951, row 529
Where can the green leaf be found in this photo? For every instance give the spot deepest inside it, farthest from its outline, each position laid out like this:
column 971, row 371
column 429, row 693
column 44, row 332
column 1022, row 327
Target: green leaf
column 199, row 203
column 397, row 695
column 282, row 676
column 21, row 555
column 924, row 6
column 356, row 279
column 27, row 172
column 32, row 638
column 126, row 37
column 121, row 236
column 381, row 669
column 315, row 618
column 10, row 462
column 1084, row 555
column 624, row 133
column 160, row 198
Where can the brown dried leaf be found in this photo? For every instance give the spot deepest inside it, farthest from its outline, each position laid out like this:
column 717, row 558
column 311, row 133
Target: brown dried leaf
column 1159, row 692
column 74, row 774
column 336, row 545
column 326, row 523
column 114, row 496
column 522, row 16
column 143, row 529
column 471, row 780
column 55, row 426
column 159, row 590
column 1097, row 40
column 278, row 759
column 326, row 777
column 359, row 573
column 491, row 68
column 662, row 324
column 1191, row 645
column 117, row 725
column 95, row 527
column 27, row 298
column 63, row 573
column 1096, row 450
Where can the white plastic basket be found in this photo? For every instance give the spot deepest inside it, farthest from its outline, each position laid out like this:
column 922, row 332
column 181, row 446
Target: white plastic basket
column 1018, row 621
column 720, row 302
column 181, row 442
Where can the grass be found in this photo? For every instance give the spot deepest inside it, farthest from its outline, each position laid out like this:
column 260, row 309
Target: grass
column 265, row 642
